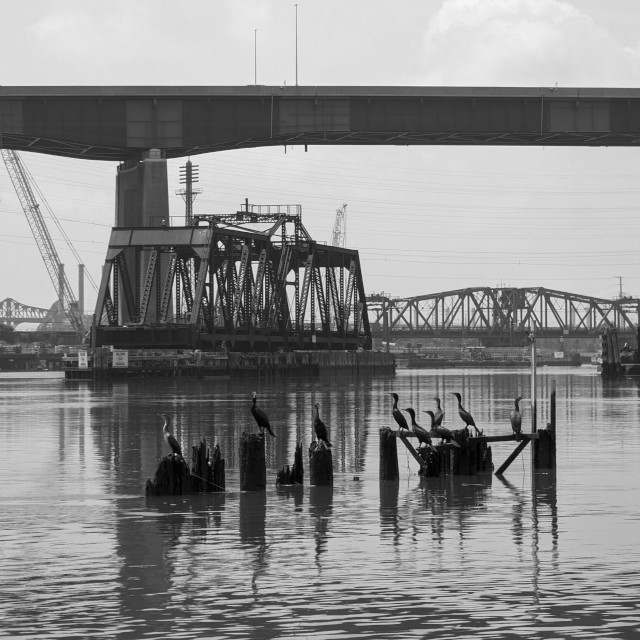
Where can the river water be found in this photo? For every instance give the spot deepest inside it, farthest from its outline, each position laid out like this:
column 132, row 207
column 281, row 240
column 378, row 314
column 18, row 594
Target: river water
column 83, row 554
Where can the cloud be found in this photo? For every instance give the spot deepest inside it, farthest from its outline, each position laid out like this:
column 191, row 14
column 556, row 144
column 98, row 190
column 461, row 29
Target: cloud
column 524, row 43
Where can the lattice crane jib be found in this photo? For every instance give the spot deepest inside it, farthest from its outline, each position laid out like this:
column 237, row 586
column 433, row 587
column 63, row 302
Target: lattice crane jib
column 47, row 249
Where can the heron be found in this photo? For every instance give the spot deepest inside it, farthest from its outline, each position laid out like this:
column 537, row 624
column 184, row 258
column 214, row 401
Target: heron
column 320, row 427
column 169, row 437
column 516, row 419
column 261, row 417
column 441, row 432
column 419, row 432
column 467, row 418
column 397, row 414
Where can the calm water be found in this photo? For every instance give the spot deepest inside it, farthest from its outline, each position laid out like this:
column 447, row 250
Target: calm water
column 83, row 554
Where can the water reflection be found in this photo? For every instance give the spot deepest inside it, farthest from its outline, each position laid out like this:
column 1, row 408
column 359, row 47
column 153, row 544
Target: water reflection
column 320, row 511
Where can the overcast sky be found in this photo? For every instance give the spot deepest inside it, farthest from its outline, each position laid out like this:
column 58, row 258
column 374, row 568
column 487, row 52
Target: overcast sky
column 425, row 219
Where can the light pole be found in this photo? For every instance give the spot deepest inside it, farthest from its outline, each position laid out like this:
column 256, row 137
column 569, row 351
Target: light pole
column 296, row 6
column 255, row 56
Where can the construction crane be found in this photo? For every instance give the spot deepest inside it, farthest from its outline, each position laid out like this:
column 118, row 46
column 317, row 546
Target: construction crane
column 340, row 227
column 19, row 178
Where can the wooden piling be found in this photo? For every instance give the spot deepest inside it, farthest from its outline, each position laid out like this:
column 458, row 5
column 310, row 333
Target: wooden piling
column 544, row 448
column 172, row 478
column 389, row 469
column 293, row 474
column 471, row 456
column 253, row 470
column 320, row 464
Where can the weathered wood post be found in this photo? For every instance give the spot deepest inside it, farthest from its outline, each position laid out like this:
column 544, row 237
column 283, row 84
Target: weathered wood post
column 172, row 478
column 253, row 468
column 389, row 469
column 544, row 448
column 217, row 469
column 295, row 473
column 320, row 464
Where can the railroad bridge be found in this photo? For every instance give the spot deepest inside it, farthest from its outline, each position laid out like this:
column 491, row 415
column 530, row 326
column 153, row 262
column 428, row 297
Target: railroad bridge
column 500, row 316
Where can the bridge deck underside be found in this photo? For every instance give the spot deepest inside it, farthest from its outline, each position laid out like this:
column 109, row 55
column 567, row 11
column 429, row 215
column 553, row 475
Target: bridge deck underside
column 110, row 123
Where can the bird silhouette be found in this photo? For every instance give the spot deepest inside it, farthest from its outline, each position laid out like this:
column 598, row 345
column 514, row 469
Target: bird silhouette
column 467, row 418
column 397, row 414
column 516, row 419
column 419, row 432
column 438, row 414
column 320, row 427
column 261, row 417
column 169, row 437
column 441, row 432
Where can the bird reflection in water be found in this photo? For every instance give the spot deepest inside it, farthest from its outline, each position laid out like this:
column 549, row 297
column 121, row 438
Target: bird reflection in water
column 253, row 514
column 320, row 510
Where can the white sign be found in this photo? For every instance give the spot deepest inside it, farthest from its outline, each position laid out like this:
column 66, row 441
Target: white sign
column 120, row 359
column 83, row 360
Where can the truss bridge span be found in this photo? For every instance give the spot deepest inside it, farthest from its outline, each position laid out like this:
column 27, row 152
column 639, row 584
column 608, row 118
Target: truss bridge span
column 500, row 315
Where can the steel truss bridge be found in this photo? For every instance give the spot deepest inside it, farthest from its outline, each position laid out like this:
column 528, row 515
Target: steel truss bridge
column 13, row 312
column 220, row 284
column 500, row 314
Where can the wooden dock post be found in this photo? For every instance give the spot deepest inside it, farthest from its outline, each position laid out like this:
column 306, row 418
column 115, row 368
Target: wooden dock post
column 389, row 469
column 172, row 478
column 295, row 473
column 253, row 468
column 320, row 464
column 544, row 448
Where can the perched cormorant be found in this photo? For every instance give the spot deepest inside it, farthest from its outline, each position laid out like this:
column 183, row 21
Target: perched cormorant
column 516, row 418
column 320, row 427
column 467, row 418
column 397, row 414
column 438, row 415
column 441, row 432
column 261, row 417
column 168, row 436
column 418, row 431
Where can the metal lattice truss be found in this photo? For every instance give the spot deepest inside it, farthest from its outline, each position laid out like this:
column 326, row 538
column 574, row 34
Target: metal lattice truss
column 220, row 283
column 13, row 312
column 485, row 312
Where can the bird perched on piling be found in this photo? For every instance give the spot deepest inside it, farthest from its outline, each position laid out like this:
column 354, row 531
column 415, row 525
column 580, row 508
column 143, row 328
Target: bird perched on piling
column 419, row 432
column 516, row 419
column 441, row 432
column 261, row 417
column 438, row 414
column 467, row 418
column 397, row 414
column 169, row 437
column 320, row 427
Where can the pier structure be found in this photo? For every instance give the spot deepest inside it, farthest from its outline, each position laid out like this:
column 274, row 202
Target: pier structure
column 250, row 281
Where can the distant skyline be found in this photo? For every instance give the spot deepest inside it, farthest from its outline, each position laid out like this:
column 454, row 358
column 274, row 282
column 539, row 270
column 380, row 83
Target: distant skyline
column 424, row 218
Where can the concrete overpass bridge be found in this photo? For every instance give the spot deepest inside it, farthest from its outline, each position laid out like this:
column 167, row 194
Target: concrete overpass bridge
column 140, row 127
column 500, row 316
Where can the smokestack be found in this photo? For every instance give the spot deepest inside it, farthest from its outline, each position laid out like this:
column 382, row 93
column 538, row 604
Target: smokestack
column 81, row 289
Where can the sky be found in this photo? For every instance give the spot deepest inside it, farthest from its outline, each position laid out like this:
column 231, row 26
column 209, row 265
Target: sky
column 424, row 219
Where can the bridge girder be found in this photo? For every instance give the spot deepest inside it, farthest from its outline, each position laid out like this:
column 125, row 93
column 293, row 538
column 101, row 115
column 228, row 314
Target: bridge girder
column 494, row 312
column 121, row 123
column 13, row 312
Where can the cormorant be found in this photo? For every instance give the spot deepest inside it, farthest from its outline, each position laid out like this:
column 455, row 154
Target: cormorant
column 168, row 436
column 438, row 415
column 467, row 418
column 397, row 414
column 261, row 417
column 441, row 432
column 516, row 419
column 320, row 427
column 419, row 432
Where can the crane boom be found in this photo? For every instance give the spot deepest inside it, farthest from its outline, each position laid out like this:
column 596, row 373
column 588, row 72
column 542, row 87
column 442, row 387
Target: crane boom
column 339, row 236
column 40, row 232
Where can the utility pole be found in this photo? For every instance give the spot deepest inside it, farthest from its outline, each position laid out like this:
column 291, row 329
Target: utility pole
column 188, row 175
column 296, row 6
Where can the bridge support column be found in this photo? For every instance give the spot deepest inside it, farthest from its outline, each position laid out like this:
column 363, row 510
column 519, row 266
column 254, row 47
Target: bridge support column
column 142, row 192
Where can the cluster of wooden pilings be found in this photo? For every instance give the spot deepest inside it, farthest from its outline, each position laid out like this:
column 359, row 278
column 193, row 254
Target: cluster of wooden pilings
column 206, row 474
column 470, row 454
